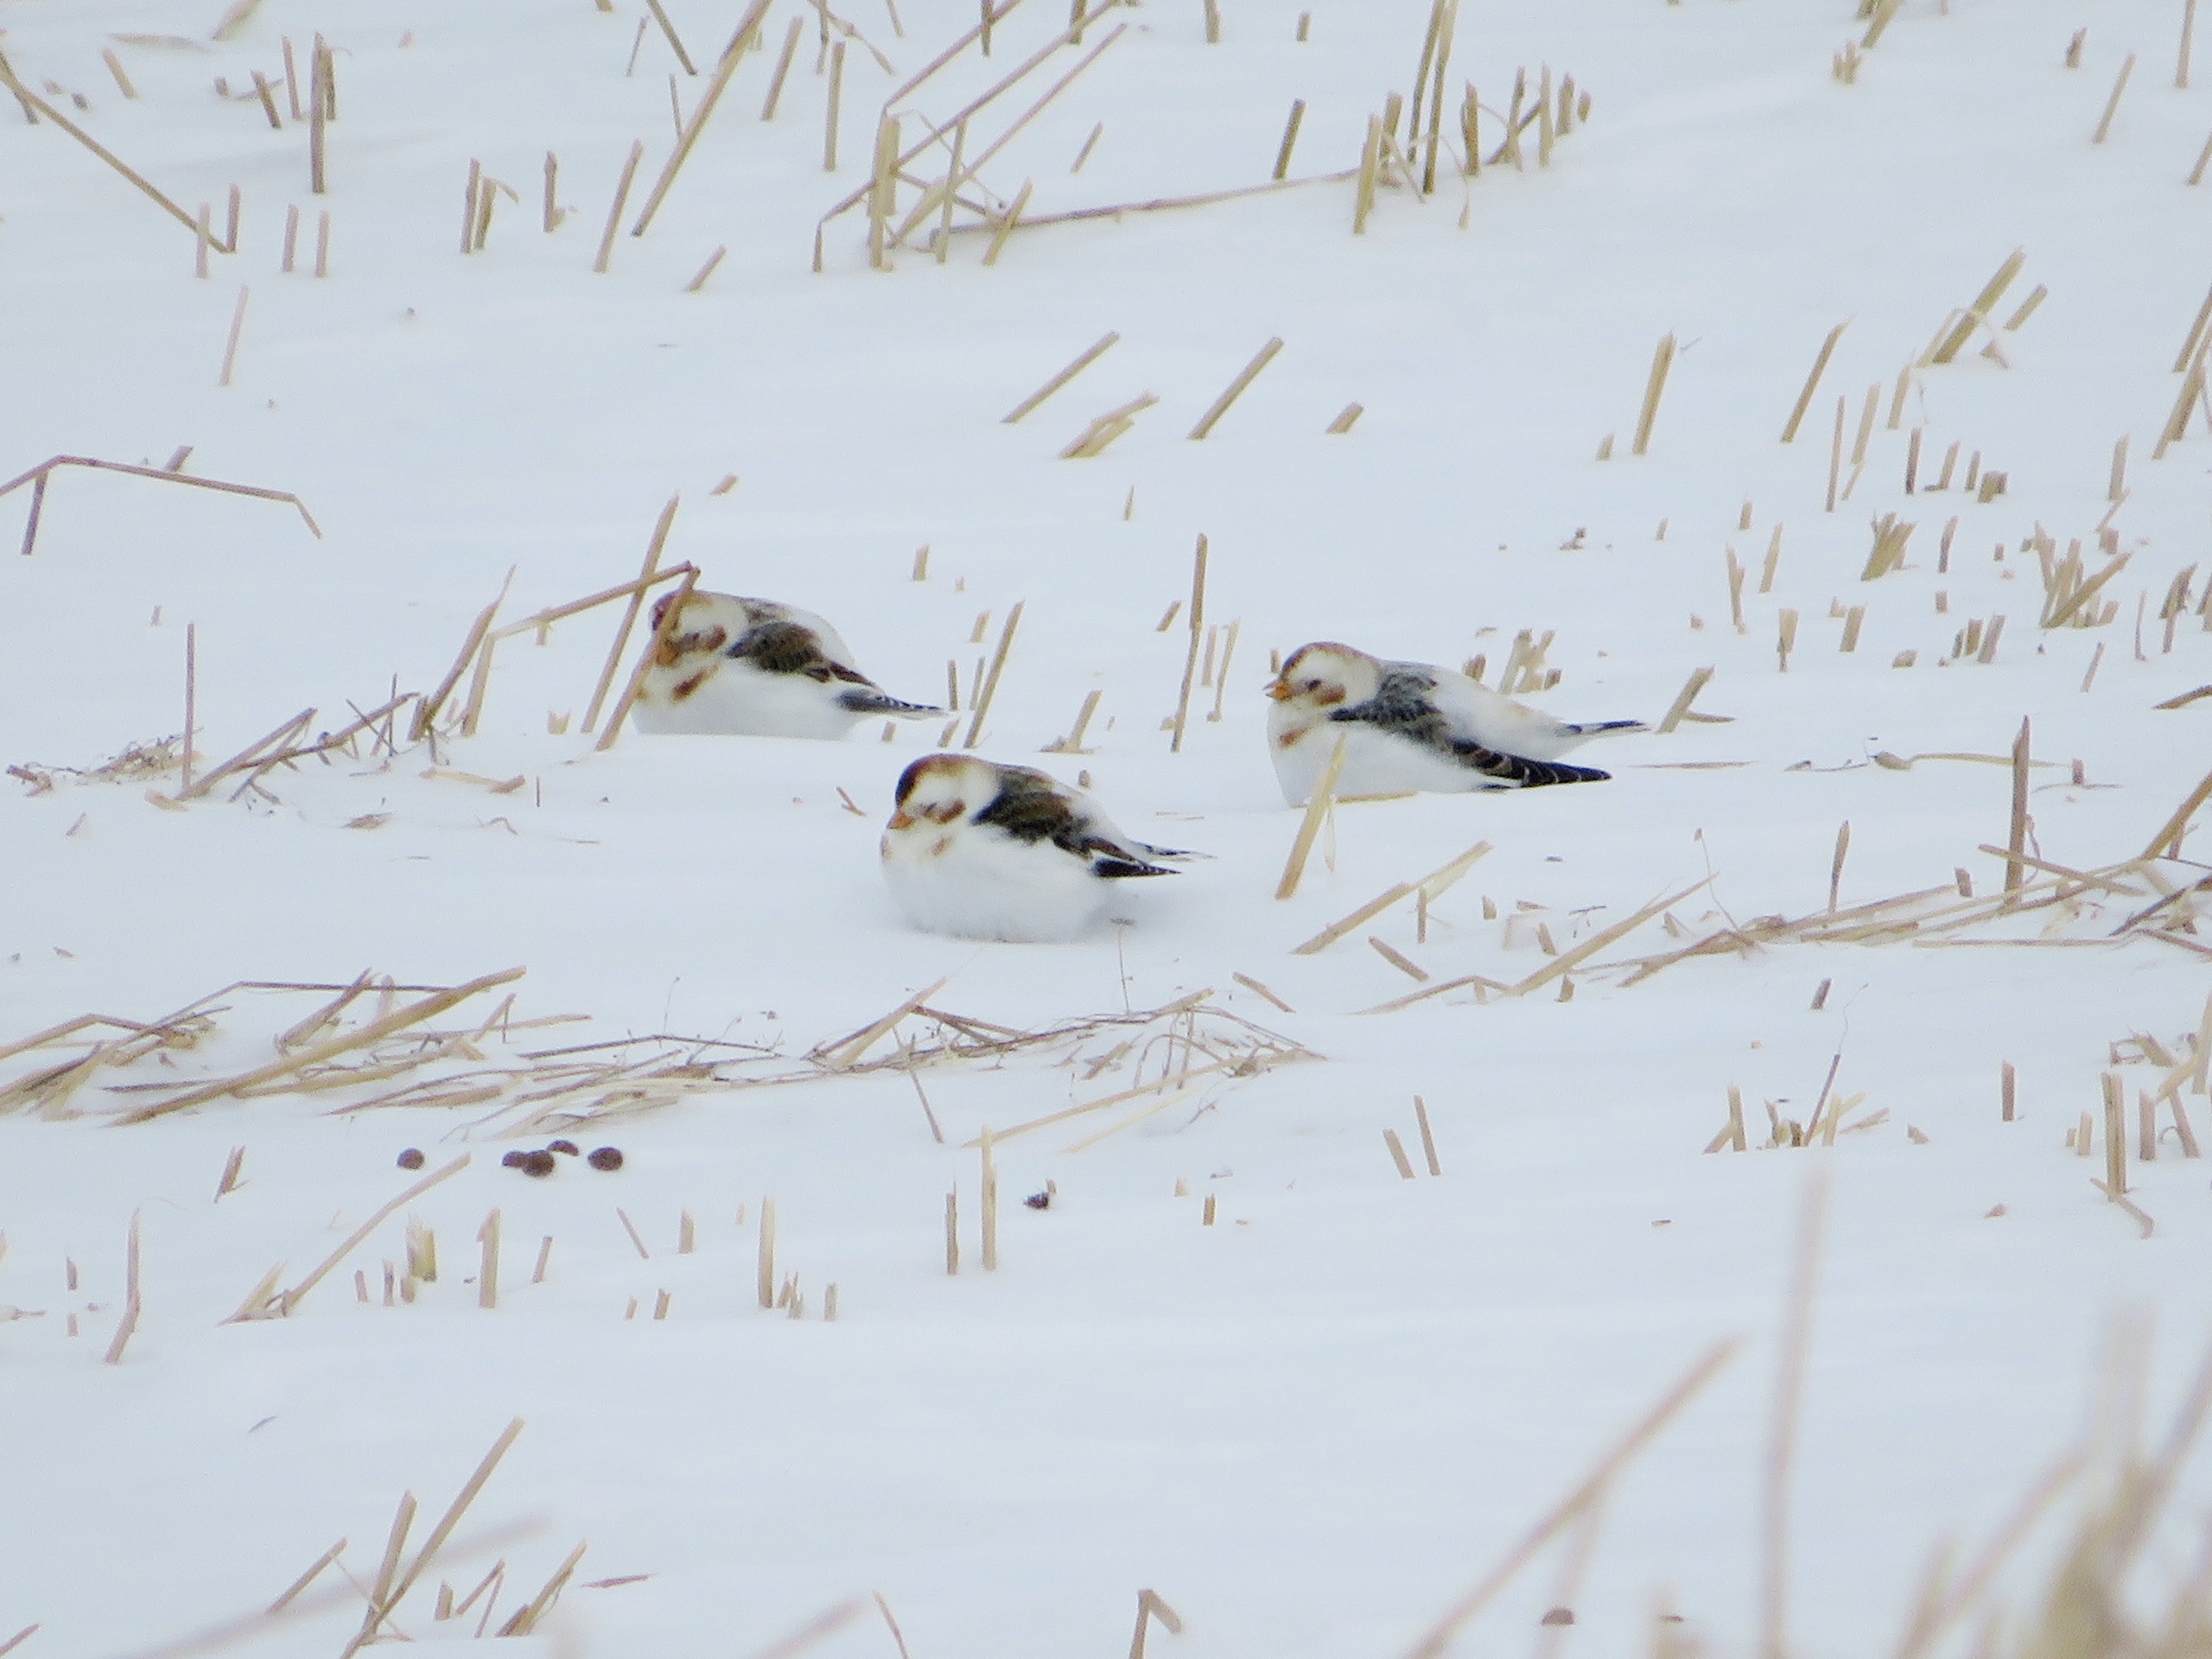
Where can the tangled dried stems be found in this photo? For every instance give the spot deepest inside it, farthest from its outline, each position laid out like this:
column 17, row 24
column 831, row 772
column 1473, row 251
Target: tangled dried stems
column 364, row 1049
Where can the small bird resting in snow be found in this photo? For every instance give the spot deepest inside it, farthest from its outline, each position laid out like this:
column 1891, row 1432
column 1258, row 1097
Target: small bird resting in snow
column 752, row 668
column 992, row 852
column 1412, row 726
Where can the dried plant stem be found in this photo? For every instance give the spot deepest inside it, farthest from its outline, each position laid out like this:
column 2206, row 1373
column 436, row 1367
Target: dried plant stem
column 230, row 347
column 614, row 210
column 1661, row 360
column 2014, row 867
column 1781, row 1434
column 1599, row 941
column 1557, row 966
column 669, row 620
column 2167, row 842
column 1374, row 907
column 1437, row 1640
column 1950, row 344
column 1105, row 343
column 36, row 477
column 765, row 1274
column 1073, row 34
column 832, row 109
column 426, row 712
column 2111, row 104
column 376, row 1031
column 838, row 1056
column 1289, row 138
column 991, row 682
column 591, row 601
column 706, row 270
column 669, row 29
column 283, row 1304
column 958, row 175
column 1198, row 627
column 1427, row 1136
column 1836, row 455
column 783, row 69
column 1812, row 382
column 389, row 1597
column 308, row 1576
column 630, row 616
column 1316, row 808
column 487, row 1277
column 740, row 45
column 1681, row 707
column 32, row 100
column 130, row 1300
column 989, row 1205
column 1235, row 389
column 526, row 1616
column 318, row 111
column 1006, row 225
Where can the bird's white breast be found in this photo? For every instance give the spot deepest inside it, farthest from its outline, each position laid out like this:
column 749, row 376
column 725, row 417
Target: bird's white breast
column 737, row 699
column 980, row 884
column 1377, row 762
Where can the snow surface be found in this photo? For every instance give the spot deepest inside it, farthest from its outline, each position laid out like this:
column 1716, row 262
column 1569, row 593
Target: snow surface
column 1311, row 1426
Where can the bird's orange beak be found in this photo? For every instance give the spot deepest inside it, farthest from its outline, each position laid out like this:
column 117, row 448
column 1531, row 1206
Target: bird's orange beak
column 1278, row 688
column 900, row 821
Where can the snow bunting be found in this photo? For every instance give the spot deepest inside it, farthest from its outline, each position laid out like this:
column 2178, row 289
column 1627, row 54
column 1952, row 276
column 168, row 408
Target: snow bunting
column 1412, row 726
column 752, row 668
column 992, row 852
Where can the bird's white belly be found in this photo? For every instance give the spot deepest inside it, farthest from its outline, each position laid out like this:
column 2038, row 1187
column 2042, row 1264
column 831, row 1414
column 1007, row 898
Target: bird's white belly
column 986, row 886
column 1376, row 763
column 737, row 699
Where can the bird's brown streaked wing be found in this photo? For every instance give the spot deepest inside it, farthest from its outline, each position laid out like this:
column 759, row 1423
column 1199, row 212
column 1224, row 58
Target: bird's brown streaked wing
column 784, row 648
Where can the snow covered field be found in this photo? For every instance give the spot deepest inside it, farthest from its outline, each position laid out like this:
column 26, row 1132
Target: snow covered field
column 1238, row 1361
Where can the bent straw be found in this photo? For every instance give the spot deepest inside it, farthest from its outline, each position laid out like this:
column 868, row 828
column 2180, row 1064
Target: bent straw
column 37, row 477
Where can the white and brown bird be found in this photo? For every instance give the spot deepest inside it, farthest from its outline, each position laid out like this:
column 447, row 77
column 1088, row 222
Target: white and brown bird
column 752, row 668
column 1412, row 725
column 991, row 852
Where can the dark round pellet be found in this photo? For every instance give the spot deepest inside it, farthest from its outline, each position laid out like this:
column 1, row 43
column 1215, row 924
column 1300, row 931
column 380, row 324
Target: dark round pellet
column 410, row 1159
column 538, row 1165
column 513, row 1160
column 569, row 1147
column 606, row 1158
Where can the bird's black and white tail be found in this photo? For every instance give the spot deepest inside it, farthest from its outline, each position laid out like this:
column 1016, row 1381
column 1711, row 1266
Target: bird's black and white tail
column 866, row 700
column 1600, row 728
column 1514, row 772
